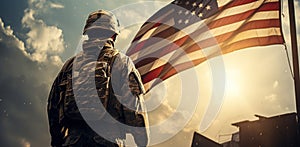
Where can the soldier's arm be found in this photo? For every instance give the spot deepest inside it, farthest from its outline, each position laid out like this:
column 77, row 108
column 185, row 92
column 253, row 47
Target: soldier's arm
column 53, row 115
column 137, row 117
column 127, row 84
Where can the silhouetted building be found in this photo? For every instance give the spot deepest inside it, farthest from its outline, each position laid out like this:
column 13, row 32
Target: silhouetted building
column 277, row 131
column 202, row 141
column 234, row 142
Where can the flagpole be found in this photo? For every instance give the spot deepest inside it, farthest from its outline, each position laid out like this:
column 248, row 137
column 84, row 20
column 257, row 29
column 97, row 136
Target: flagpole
column 295, row 59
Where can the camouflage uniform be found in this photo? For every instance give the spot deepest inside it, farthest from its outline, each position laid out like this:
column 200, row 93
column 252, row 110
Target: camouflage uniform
column 68, row 132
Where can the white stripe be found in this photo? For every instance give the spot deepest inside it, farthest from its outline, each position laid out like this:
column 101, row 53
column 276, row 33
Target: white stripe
column 243, row 8
column 149, row 25
column 218, row 31
column 159, row 62
column 268, row 1
column 222, row 30
column 222, row 3
column 265, row 15
column 239, row 9
column 156, row 30
column 207, row 51
column 147, row 35
column 162, row 42
column 255, row 33
column 188, row 57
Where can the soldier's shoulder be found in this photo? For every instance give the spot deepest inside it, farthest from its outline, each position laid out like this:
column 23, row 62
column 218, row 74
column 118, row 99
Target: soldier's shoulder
column 68, row 64
column 124, row 58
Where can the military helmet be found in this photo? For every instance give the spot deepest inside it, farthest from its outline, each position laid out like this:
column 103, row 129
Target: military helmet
column 102, row 19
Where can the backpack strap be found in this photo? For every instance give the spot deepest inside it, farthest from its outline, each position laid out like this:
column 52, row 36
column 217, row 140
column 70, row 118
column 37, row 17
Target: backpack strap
column 108, row 56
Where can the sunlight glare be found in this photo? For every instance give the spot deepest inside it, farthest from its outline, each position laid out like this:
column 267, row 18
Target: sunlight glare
column 233, row 85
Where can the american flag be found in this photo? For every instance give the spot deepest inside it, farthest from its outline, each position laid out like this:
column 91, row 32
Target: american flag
column 186, row 33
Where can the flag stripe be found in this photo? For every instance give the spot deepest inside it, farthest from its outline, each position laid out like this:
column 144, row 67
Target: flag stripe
column 149, row 76
column 232, row 27
column 210, row 41
column 177, row 42
column 161, row 43
column 153, row 22
column 259, row 15
column 259, row 24
column 234, row 10
column 153, row 33
column 173, row 70
column 225, row 20
column 160, row 53
column 255, row 33
column 170, row 58
column 253, row 41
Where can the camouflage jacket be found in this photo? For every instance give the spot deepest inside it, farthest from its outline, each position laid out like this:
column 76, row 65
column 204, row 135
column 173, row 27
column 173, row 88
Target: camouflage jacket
column 124, row 75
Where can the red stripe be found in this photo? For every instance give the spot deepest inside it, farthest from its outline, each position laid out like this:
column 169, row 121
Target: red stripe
column 170, row 70
column 242, row 16
column 135, row 47
column 270, row 6
column 221, row 38
column 230, row 19
column 161, row 52
column 259, row 41
column 142, row 28
column 152, row 74
column 167, row 70
column 214, row 24
column 157, row 73
column 235, row 3
column 157, row 19
column 196, row 47
column 165, row 33
column 258, row 24
column 182, row 67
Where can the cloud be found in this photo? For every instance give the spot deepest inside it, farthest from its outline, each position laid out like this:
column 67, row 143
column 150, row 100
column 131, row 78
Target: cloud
column 38, row 4
column 24, row 87
column 43, row 4
column 56, row 5
column 175, row 119
column 43, row 41
column 10, row 36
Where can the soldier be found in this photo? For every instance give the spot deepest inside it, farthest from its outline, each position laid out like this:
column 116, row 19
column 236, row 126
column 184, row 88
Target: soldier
column 97, row 75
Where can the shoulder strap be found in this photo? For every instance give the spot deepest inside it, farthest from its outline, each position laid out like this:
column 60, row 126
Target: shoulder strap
column 108, row 56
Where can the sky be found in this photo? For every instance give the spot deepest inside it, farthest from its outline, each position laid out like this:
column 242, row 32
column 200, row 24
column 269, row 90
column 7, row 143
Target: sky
column 38, row 36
